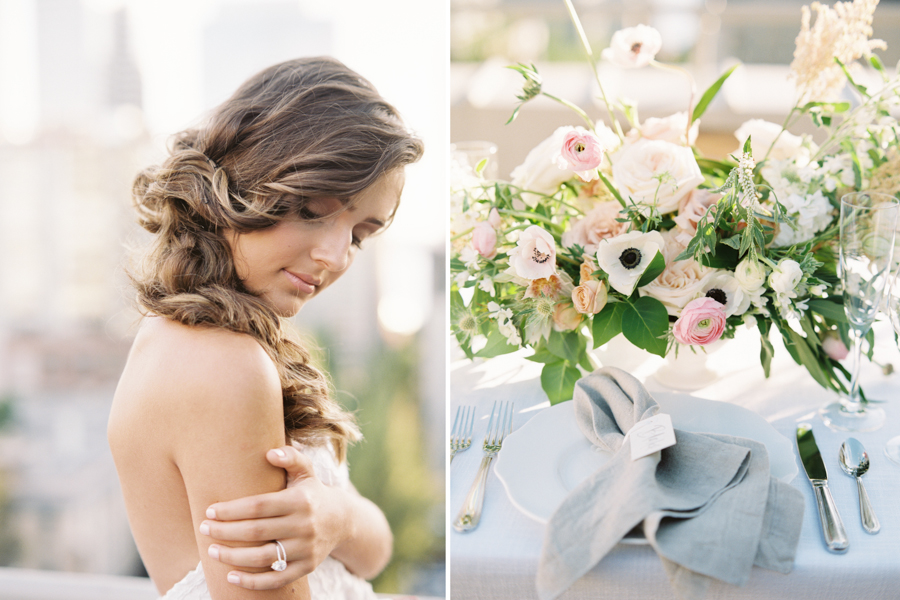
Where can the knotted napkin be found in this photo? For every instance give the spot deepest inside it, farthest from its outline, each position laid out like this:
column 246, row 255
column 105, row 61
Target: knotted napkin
column 707, row 505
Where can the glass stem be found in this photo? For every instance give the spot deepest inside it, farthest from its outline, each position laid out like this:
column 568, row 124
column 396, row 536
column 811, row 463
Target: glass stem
column 854, row 404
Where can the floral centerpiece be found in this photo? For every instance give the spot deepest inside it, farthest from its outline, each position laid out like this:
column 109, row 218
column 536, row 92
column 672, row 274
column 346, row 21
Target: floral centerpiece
column 602, row 231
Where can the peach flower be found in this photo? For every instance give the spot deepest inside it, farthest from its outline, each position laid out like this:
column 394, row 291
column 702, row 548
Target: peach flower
column 690, row 209
column 589, row 298
column 599, row 223
column 702, row 322
column 565, row 317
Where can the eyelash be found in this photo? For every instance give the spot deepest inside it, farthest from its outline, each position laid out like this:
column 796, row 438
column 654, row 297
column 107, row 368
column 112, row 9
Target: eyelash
column 309, row 215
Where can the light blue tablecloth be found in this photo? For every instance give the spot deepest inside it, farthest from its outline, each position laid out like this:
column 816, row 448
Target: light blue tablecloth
column 498, row 561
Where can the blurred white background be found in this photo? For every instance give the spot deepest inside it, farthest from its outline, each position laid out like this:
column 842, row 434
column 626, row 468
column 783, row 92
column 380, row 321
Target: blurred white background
column 90, row 91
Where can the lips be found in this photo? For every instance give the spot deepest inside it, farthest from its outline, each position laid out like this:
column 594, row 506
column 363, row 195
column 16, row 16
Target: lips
column 305, row 283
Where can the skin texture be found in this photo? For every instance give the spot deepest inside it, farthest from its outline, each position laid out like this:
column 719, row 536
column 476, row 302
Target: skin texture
column 198, row 409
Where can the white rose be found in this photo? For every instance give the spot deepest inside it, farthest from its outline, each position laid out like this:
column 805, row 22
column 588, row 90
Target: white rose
column 655, row 171
column 785, row 277
column 681, row 282
column 750, row 274
column 669, row 129
column 763, row 133
column 540, row 172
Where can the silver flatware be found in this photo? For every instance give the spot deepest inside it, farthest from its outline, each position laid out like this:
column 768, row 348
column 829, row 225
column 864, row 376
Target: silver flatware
column 461, row 434
column 498, row 427
column 855, row 462
column 832, row 526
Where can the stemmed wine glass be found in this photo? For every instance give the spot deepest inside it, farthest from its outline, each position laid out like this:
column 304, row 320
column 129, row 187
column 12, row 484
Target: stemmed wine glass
column 892, row 448
column 868, row 222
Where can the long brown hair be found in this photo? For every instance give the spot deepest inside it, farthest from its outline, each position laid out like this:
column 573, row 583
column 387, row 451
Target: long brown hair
column 302, row 129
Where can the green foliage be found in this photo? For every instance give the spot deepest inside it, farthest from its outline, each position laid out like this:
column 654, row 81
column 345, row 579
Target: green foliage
column 710, row 93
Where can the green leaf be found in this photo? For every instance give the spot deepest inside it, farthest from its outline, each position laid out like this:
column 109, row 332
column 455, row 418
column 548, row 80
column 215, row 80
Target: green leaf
column 766, row 353
column 479, row 168
column 612, row 188
column 656, row 266
column 828, row 309
column 585, row 361
column 807, row 357
column 496, row 345
column 542, row 355
column 565, row 345
column 711, row 92
column 876, row 63
column 645, row 324
column 558, row 381
column 607, row 323
column 746, row 148
column 725, row 257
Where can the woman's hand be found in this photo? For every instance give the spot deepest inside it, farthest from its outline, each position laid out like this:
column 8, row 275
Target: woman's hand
column 309, row 518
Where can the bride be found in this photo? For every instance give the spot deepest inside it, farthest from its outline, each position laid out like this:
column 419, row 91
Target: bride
column 229, row 448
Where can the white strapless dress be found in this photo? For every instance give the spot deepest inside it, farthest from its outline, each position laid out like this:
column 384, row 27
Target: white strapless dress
column 331, row 580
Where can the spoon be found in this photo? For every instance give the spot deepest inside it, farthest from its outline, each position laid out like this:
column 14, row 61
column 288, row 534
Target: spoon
column 855, row 462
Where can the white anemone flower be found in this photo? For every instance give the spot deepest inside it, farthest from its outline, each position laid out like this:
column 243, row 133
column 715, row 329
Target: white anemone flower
column 633, row 47
column 725, row 289
column 625, row 258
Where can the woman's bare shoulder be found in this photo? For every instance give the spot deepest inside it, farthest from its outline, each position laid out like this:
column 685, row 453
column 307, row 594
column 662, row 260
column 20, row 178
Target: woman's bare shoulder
column 192, row 367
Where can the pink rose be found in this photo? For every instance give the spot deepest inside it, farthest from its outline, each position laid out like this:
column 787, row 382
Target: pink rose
column 581, row 152
column 834, row 347
column 702, row 322
column 600, row 223
column 565, row 317
column 690, row 209
column 589, row 298
column 494, row 218
column 534, row 257
column 484, row 240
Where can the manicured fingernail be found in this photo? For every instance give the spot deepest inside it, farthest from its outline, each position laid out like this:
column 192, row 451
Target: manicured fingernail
column 233, row 578
column 204, row 528
column 210, row 513
column 280, row 453
column 214, row 552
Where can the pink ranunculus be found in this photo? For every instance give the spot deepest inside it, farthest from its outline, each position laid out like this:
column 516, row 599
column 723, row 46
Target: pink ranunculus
column 581, row 152
column 494, row 218
column 834, row 347
column 484, row 240
column 535, row 255
column 702, row 322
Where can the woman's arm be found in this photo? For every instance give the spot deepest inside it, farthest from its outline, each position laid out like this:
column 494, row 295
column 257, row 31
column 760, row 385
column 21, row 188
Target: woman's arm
column 229, row 412
column 311, row 519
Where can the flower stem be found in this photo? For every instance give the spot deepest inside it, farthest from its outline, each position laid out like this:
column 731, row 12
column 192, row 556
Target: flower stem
column 587, row 48
column 577, row 109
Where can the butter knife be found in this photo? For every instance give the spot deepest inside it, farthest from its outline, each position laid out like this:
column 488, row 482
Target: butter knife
column 832, row 526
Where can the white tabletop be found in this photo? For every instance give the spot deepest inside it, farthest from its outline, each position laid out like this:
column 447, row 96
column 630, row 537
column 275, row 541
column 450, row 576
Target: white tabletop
column 499, row 559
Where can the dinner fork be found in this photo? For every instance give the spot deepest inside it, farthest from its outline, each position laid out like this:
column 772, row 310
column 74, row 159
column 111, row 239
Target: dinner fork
column 498, row 427
column 461, row 434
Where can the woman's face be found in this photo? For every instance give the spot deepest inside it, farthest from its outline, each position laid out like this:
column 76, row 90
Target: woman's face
column 295, row 259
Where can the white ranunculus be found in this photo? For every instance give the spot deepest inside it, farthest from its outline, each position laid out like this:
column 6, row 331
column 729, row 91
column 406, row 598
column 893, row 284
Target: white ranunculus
column 750, row 274
column 723, row 285
column 626, row 257
column 540, row 171
column 681, row 282
column 785, row 277
column 633, row 46
column 653, row 171
column 762, row 135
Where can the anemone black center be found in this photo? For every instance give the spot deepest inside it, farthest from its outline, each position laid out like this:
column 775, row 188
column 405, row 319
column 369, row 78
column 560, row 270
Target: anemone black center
column 717, row 295
column 630, row 258
column 636, row 47
column 539, row 257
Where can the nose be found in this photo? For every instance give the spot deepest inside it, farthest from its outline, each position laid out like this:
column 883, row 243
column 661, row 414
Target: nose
column 332, row 248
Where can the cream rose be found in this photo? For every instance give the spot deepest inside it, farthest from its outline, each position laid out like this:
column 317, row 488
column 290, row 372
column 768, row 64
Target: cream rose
column 540, row 171
column 656, row 172
column 669, row 129
column 763, row 134
column 681, row 282
column 691, row 208
column 598, row 224
column 590, row 297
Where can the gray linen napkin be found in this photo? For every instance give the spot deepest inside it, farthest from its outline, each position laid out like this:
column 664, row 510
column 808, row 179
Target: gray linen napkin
column 708, row 505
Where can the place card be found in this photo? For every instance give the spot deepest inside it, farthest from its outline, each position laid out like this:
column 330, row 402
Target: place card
column 651, row 435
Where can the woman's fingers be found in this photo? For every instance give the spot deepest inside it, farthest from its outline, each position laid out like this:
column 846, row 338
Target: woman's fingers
column 273, row 504
column 267, row 580
column 253, row 530
column 297, row 465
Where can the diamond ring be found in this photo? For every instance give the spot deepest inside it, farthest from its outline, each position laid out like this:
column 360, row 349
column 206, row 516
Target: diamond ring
column 281, row 563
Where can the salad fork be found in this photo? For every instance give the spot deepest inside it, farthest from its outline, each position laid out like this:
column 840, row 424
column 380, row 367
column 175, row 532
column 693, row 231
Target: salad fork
column 498, row 427
column 461, row 434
